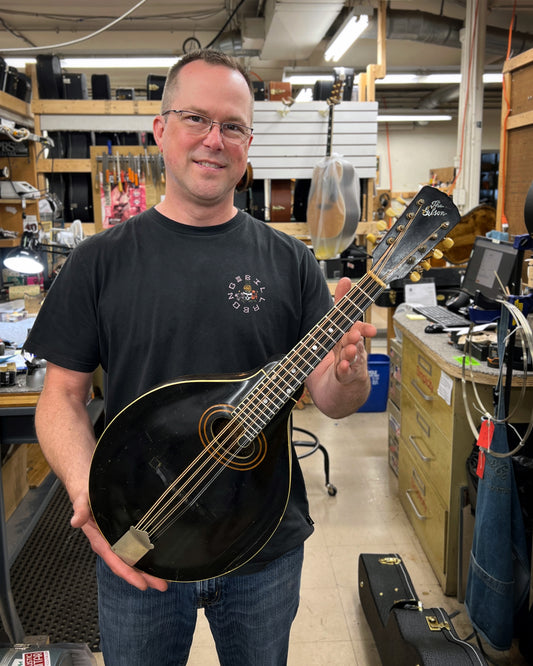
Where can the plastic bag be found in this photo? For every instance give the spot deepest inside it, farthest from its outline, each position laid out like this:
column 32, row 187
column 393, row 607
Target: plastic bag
column 333, row 206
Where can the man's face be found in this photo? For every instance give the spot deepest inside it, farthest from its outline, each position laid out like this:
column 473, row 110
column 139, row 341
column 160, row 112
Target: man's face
column 205, row 169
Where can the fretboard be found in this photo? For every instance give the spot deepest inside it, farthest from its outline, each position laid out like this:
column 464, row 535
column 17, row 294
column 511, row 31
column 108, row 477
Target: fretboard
column 283, row 381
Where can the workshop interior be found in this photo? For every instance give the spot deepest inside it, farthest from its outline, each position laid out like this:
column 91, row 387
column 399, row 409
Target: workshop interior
column 394, row 139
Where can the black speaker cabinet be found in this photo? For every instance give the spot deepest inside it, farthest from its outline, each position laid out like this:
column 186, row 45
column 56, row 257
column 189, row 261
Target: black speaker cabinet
column 75, row 86
column 100, row 86
column 125, row 93
column 259, row 90
column 154, row 86
column 50, row 77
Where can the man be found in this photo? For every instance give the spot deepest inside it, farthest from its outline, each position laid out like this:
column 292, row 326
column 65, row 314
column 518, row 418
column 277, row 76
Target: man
column 192, row 286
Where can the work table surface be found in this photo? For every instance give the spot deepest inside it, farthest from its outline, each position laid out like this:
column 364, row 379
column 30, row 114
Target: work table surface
column 439, row 347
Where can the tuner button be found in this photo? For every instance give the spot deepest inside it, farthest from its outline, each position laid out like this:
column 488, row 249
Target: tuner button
column 381, row 225
column 390, row 212
column 425, row 265
column 447, row 243
column 372, row 238
column 437, row 254
column 415, row 276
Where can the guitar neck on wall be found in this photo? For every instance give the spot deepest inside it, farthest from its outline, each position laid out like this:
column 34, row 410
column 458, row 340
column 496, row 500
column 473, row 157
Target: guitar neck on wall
column 334, row 99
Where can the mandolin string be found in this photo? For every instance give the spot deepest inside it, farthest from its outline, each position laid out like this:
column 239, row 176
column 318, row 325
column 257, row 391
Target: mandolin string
column 162, row 507
column 251, row 401
column 170, row 496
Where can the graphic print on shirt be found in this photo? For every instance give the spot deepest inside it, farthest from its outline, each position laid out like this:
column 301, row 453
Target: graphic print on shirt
column 246, row 293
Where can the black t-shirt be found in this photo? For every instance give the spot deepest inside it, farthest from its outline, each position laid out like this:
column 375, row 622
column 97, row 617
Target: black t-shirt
column 152, row 300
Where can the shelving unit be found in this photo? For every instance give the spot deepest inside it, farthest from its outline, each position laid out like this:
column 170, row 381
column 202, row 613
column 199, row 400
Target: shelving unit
column 20, row 168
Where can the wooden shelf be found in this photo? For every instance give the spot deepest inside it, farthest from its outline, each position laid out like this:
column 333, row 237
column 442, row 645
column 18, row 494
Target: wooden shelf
column 64, row 165
column 96, row 107
column 9, row 242
column 15, row 109
column 17, row 201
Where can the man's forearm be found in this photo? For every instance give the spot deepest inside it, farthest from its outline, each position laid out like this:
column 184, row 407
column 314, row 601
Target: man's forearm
column 65, row 434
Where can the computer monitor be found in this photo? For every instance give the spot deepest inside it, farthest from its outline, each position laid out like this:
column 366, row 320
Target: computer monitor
column 490, row 265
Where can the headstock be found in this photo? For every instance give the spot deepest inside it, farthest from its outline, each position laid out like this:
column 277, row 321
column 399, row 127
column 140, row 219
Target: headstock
column 407, row 245
column 337, row 90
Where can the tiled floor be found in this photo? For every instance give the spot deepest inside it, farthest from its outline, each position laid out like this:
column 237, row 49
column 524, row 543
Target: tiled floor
column 365, row 516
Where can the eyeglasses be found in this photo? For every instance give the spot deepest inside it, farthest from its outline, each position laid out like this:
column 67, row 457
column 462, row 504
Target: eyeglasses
column 196, row 123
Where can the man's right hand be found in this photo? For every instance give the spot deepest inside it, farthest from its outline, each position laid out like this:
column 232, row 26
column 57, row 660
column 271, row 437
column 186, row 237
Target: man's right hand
column 83, row 519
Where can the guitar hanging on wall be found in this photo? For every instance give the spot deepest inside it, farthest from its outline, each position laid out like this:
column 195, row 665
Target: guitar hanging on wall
column 192, row 479
column 333, row 208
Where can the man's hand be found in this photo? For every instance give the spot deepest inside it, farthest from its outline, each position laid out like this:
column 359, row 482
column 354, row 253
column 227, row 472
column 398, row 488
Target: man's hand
column 83, row 519
column 350, row 352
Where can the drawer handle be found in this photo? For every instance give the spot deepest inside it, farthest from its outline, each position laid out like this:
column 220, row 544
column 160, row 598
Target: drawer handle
column 426, row 459
column 425, row 396
column 413, row 505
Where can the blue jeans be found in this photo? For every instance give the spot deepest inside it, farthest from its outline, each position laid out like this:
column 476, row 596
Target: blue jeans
column 499, row 572
column 250, row 616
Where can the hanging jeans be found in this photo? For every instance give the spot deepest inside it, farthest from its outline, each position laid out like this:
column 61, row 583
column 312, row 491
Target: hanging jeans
column 498, row 577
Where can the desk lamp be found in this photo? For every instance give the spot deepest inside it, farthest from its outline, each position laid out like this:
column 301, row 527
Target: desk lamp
column 25, row 259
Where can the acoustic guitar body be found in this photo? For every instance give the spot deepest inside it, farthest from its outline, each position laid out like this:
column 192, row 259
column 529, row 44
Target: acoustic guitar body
column 333, row 212
column 221, row 508
column 477, row 222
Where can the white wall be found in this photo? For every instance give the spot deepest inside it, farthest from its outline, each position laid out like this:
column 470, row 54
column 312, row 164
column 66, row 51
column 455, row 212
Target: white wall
column 415, row 151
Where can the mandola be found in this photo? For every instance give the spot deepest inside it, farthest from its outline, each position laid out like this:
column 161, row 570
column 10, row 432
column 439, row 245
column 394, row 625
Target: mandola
column 192, row 479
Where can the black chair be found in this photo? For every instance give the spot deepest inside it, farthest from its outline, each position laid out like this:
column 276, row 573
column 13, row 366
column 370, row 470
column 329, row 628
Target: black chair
column 313, row 444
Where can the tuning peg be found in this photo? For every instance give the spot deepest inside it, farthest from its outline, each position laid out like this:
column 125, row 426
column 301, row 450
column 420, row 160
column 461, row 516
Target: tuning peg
column 437, row 254
column 425, row 265
column 447, row 243
column 390, row 212
column 415, row 276
column 381, row 225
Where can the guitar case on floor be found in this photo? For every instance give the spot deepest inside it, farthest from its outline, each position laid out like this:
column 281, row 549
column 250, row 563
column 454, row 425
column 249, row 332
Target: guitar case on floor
column 406, row 633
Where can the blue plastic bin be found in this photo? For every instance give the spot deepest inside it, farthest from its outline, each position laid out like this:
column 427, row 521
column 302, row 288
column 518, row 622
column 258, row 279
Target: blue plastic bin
column 379, row 370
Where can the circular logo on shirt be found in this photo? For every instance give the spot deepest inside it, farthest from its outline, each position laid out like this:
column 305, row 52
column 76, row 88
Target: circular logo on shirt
column 246, row 293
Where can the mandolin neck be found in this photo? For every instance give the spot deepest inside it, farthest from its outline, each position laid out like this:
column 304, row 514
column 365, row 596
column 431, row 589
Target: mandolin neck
column 283, row 381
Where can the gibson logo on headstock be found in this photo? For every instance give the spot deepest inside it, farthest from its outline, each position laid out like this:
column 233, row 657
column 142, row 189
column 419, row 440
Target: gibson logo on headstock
column 434, row 209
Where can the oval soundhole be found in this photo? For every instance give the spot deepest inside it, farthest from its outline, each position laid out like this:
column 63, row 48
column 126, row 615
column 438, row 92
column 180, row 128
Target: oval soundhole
column 224, row 437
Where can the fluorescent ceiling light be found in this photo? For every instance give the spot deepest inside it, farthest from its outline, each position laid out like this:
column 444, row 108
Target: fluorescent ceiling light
column 118, row 63
column 495, row 77
column 412, row 118
column 103, row 63
column 350, row 31
column 441, row 79
column 307, row 79
column 20, row 63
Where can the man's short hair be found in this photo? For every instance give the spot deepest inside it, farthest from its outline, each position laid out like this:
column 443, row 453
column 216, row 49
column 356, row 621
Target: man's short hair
column 210, row 56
